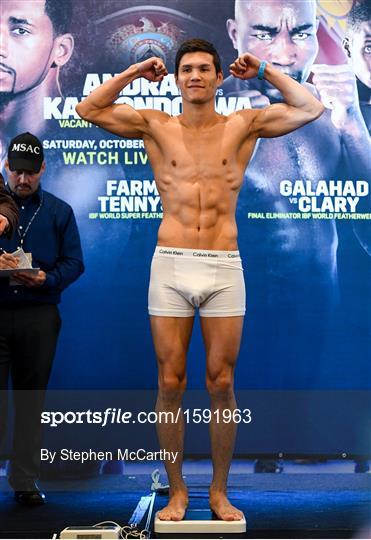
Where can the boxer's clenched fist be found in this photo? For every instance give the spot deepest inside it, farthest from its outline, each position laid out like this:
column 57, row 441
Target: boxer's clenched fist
column 337, row 89
column 246, row 66
column 152, row 69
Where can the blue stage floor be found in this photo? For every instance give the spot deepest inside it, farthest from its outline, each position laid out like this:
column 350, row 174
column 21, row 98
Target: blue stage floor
column 325, row 500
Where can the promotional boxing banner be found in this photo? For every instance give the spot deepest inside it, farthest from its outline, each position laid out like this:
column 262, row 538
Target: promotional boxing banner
column 304, row 210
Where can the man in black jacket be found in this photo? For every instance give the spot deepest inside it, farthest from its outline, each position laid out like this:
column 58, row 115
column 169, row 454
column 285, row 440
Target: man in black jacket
column 29, row 315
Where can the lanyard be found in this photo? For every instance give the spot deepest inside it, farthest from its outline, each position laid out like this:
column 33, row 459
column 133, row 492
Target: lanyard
column 23, row 234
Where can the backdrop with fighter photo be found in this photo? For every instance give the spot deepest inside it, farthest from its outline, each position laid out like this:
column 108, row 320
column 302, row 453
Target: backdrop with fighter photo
column 304, row 209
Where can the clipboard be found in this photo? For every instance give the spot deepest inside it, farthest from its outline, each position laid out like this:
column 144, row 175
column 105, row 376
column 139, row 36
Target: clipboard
column 8, row 272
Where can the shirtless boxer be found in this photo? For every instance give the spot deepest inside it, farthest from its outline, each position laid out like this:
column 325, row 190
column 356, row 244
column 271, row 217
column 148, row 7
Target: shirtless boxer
column 198, row 159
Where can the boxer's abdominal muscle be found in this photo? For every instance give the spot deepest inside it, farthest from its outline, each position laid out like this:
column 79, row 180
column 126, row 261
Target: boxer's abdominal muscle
column 199, row 174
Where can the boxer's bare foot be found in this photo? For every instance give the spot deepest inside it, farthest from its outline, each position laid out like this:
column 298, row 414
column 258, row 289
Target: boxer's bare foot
column 221, row 506
column 176, row 508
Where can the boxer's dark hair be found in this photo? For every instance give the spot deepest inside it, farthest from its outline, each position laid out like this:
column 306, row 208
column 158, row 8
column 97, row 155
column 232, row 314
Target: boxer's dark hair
column 197, row 45
column 60, row 15
column 359, row 13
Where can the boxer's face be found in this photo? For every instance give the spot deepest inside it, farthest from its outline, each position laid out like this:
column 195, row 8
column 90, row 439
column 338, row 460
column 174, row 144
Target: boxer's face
column 197, row 78
column 282, row 32
column 23, row 182
column 360, row 53
column 27, row 45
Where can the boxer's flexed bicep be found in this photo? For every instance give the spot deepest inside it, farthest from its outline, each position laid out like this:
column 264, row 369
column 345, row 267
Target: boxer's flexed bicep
column 101, row 109
column 277, row 120
column 299, row 107
column 122, row 120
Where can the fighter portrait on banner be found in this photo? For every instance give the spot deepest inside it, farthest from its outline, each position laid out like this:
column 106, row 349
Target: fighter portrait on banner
column 299, row 187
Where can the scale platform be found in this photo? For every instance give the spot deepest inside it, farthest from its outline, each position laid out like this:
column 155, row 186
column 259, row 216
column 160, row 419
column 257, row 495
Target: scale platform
column 199, row 521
